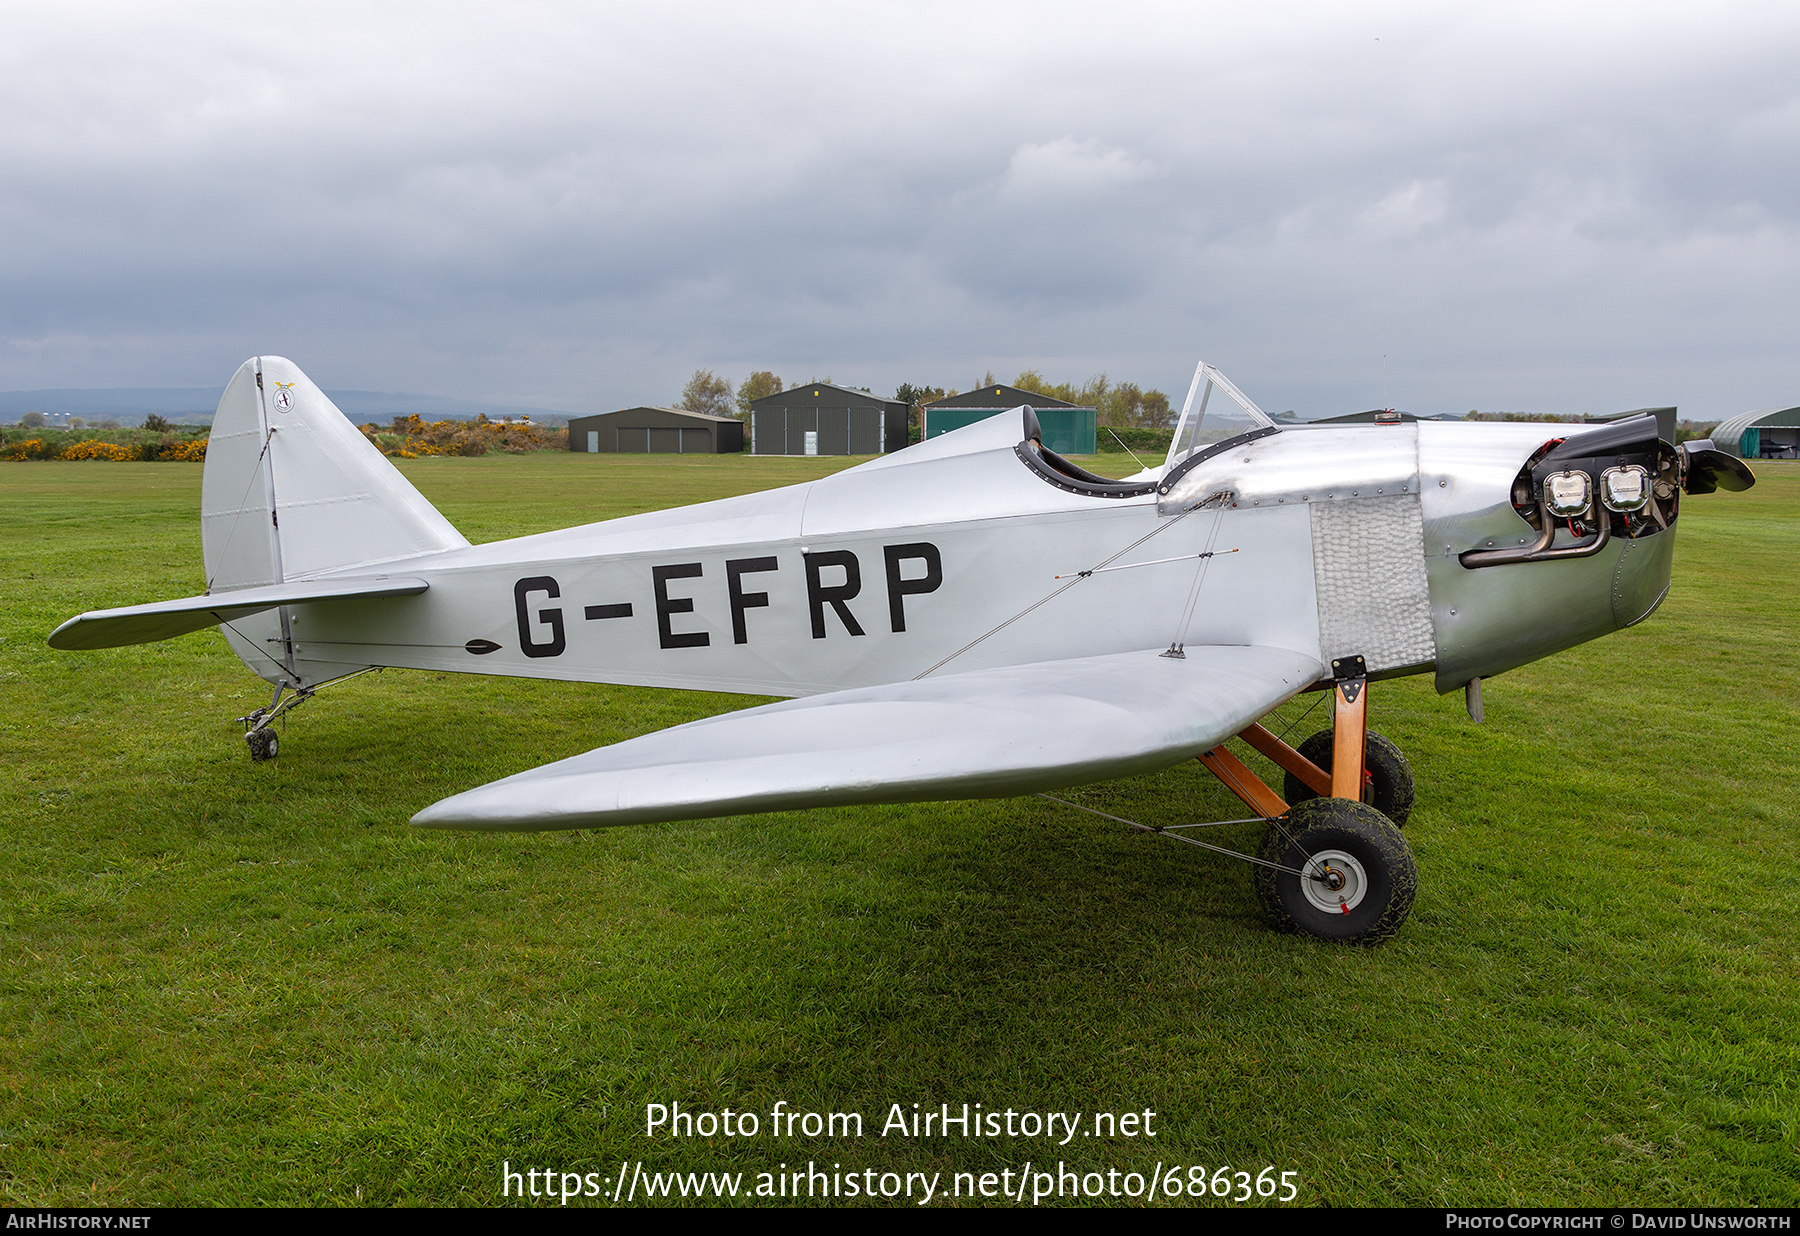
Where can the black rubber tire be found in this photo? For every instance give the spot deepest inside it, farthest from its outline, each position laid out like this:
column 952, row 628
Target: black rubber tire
column 264, row 745
column 1392, row 775
column 1356, row 829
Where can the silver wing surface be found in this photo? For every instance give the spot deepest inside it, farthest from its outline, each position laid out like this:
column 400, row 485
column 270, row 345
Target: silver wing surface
column 984, row 734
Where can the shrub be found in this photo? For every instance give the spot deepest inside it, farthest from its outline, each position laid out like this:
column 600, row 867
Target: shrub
column 92, row 449
column 1137, row 439
column 191, row 451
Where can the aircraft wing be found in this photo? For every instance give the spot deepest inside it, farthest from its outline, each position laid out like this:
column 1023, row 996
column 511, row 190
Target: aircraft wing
column 982, row 734
column 141, row 624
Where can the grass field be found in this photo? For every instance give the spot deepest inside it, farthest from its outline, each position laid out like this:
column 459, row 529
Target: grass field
column 227, row 983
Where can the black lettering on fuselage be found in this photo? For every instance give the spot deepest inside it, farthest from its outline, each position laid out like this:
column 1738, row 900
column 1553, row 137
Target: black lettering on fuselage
column 899, row 588
column 551, row 617
column 595, row 612
column 667, row 605
column 735, row 569
column 818, row 596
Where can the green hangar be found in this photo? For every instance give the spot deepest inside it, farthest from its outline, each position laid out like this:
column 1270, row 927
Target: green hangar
column 656, row 431
column 822, row 418
column 1068, row 429
column 1770, row 433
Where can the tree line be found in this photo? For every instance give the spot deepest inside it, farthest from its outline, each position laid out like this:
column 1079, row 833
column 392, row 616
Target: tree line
column 1119, row 405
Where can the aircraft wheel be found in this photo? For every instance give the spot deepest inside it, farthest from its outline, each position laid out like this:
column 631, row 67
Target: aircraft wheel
column 1389, row 775
column 1360, row 876
column 264, row 745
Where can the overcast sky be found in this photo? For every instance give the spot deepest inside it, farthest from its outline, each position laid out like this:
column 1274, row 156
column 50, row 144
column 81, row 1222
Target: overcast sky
column 1549, row 207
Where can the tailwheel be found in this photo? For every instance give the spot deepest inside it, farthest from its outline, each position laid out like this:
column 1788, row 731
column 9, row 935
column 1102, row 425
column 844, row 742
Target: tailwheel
column 259, row 733
column 1387, row 777
column 1340, row 871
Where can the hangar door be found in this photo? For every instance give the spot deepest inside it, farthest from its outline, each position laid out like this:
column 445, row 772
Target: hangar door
column 846, row 431
column 841, row 431
column 661, row 441
column 863, row 431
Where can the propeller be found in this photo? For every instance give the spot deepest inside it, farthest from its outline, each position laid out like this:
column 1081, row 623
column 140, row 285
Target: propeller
column 1709, row 469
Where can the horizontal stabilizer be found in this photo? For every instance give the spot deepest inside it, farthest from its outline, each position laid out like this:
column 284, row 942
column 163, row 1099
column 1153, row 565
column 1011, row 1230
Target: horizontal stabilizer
column 984, row 734
column 143, row 624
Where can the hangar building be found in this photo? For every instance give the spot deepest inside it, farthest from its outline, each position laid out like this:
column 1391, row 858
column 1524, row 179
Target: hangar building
column 656, row 431
column 1069, row 429
column 1771, row 433
column 822, row 418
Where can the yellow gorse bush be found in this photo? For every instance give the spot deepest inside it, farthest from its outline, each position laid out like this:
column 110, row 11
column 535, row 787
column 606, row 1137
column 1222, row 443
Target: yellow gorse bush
column 94, row 449
column 191, row 451
column 410, row 437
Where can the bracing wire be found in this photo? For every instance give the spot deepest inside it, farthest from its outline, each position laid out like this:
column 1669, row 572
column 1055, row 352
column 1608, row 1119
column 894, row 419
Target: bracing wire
column 1179, row 640
column 1134, row 457
column 1097, row 568
column 1216, row 849
column 1076, row 579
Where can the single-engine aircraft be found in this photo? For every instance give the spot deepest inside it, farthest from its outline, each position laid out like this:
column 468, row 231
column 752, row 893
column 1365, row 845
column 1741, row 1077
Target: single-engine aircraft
column 972, row 616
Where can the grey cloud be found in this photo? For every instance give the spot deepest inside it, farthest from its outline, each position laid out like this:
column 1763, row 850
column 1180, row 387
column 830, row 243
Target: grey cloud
column 581, row 207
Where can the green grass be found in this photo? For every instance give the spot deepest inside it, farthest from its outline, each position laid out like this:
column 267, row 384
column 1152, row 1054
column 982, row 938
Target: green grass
column 227, row 983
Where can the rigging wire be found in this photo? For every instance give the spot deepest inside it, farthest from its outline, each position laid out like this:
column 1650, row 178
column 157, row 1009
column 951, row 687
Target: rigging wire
column 1134, row 458
column 1098, row 567
column 1105, row 562
column 1175, row 836
column 1178, row 643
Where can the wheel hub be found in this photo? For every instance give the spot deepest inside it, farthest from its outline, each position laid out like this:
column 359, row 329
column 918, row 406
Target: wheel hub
column 1335, row 882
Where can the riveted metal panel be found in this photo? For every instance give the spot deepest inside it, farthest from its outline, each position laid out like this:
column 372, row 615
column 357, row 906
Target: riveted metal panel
column 1641, row 580
column 1304, row 466
column 1466, row 473
column 1499, row 618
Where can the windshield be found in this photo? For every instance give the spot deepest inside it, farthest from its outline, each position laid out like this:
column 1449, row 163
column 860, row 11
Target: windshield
column 1215, row 410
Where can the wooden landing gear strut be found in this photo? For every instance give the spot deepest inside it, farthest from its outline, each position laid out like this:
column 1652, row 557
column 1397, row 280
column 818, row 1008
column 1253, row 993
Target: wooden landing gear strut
column 1344, row 777
column 1332, row 864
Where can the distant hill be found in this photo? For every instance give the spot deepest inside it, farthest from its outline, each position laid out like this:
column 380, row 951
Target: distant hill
column 129, row 405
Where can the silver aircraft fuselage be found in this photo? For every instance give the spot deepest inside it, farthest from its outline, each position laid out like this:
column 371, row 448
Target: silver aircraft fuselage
column 963, row 554
column 969, row 617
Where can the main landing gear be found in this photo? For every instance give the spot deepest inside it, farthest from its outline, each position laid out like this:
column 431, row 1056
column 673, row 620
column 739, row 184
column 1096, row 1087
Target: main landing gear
column 1387, row 777
column 1338, row 870
column 1333, row 863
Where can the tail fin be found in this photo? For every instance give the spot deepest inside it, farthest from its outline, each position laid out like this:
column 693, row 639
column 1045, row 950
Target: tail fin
column 291, row 489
